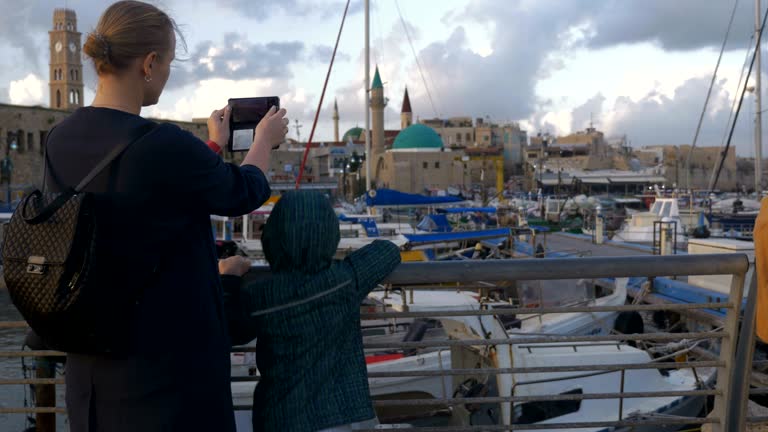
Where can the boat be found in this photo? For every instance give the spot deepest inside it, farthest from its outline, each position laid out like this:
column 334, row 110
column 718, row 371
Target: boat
column 640, row 227
column 586, row 382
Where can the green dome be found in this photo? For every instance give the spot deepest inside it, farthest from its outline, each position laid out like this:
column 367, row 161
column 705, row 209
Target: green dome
column 355, row 133
column 417, row 136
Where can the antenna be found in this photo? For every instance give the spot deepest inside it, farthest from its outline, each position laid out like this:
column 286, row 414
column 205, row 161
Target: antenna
column 298, row 127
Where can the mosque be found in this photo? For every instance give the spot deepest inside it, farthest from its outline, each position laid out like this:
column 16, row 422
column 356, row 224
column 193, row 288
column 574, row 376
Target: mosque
column 414, row 159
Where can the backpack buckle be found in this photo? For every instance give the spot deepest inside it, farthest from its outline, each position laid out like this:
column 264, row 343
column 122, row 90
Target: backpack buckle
column 36, row 265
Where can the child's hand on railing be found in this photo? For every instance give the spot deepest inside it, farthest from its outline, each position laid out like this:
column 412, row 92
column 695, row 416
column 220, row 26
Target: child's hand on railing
column 234, row 266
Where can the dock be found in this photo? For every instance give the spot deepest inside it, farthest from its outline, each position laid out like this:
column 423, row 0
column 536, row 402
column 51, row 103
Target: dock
column 560, row 243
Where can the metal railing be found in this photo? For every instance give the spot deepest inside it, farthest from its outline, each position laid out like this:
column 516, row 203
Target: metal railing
column 731, row 389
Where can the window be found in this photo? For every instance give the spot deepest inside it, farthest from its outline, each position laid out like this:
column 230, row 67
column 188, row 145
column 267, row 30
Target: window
column 425, row 165
column 30, row 140
column 437, row 165
column 469, row 137
column 485, row 138
column 20, row 141
column 43, row 136
column 58, row 98
column 9, row 137
column 458, row 137
column 534, row 412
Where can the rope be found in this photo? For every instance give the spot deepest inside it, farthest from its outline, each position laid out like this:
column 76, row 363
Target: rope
column 720, row 163
column 418, row 64
column 320, row 103
column 709, row 93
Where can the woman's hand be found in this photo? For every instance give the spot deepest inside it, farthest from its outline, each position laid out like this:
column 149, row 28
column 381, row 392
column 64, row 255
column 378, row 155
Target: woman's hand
column 234, row 266
column 218, row 126
column 269, row 134
column 272, row 129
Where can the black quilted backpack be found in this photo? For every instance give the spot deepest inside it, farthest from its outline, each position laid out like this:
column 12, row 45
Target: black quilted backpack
column 47, row 253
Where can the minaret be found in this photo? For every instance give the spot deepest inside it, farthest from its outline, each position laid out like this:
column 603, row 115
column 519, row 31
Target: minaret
column 335, row 121
column 377, row 115
column 406, row 114
column 66, row 66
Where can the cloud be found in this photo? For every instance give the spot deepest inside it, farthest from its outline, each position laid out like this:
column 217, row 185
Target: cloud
column 237, row 58
column 262, row 10
column 322, row 54
column 501, row 84
column 673, row 25
column 23, row 25
column 587, row 113
column 27, row 91
column 658, row 119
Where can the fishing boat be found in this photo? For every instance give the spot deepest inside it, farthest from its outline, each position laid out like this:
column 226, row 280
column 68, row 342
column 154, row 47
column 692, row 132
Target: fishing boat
column 640, row 227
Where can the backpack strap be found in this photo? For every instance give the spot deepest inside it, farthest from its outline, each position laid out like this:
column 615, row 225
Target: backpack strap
column 68, row 193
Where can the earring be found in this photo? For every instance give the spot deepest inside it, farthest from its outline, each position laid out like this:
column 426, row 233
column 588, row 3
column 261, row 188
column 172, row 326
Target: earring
column 147, row 78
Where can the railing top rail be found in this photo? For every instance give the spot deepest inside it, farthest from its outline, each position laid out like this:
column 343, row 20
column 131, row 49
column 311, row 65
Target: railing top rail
column 563, row 268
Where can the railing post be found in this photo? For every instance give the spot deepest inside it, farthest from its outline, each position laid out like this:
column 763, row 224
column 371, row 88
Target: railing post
column 45, row 395
column 727, row 354
column 742, row 370
column 621, row 400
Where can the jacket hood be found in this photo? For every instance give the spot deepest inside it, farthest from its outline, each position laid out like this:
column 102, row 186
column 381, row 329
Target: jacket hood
column 301, row 234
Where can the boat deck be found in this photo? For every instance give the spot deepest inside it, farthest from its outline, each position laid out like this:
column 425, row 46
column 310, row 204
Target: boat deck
column 565, row 244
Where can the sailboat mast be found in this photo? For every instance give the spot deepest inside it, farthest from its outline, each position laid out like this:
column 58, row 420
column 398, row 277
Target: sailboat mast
column 367, row 97
column 758, row 107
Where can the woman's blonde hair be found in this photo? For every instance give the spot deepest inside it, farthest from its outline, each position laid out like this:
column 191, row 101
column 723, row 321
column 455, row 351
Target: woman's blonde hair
column 128, row 30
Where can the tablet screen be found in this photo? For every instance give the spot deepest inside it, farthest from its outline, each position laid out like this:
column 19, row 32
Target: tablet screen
column 242, row 139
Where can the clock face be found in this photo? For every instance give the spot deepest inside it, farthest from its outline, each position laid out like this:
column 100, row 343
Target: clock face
column 72, row 47
column 58, row 46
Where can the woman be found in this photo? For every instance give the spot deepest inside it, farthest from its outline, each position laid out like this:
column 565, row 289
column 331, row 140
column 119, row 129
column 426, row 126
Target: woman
column 171, row 370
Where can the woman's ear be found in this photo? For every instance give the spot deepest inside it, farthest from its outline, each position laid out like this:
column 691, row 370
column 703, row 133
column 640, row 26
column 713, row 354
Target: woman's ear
column 149, row 59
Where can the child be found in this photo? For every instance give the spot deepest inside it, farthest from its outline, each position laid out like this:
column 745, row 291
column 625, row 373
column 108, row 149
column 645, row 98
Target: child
column 306, row 320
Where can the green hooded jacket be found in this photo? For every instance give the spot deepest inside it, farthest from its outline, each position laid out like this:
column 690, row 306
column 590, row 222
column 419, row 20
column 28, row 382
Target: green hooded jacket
column 306, row 319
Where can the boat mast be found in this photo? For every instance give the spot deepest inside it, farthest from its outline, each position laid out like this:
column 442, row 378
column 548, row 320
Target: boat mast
column 367, row 97
column 758, row 108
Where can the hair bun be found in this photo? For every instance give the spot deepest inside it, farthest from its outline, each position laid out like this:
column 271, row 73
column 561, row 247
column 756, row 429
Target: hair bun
column 100, row 47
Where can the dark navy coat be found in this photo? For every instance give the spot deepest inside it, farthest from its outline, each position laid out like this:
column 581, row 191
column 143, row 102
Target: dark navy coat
column 153, row 213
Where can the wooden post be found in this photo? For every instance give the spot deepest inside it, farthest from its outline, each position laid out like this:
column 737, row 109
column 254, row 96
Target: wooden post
column 45, row 395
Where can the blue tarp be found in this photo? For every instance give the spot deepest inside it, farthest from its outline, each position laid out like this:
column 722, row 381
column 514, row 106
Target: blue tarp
column 457, row 236
column 467, row 210
column 389, row 197
column 371, row 229
column 435, row 223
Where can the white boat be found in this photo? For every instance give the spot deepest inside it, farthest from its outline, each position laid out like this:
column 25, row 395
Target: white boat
column 576, row 382
column 639, row 228
column 586, row 382
column 578, row 323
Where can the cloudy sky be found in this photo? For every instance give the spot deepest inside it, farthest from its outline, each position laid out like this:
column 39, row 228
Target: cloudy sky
column 639, row 68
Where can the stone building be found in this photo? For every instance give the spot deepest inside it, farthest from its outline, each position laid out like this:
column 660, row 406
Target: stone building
column 673, row 160
column 28, row 127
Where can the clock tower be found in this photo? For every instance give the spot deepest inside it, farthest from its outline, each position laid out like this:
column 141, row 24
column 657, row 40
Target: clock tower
column 66, row 66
